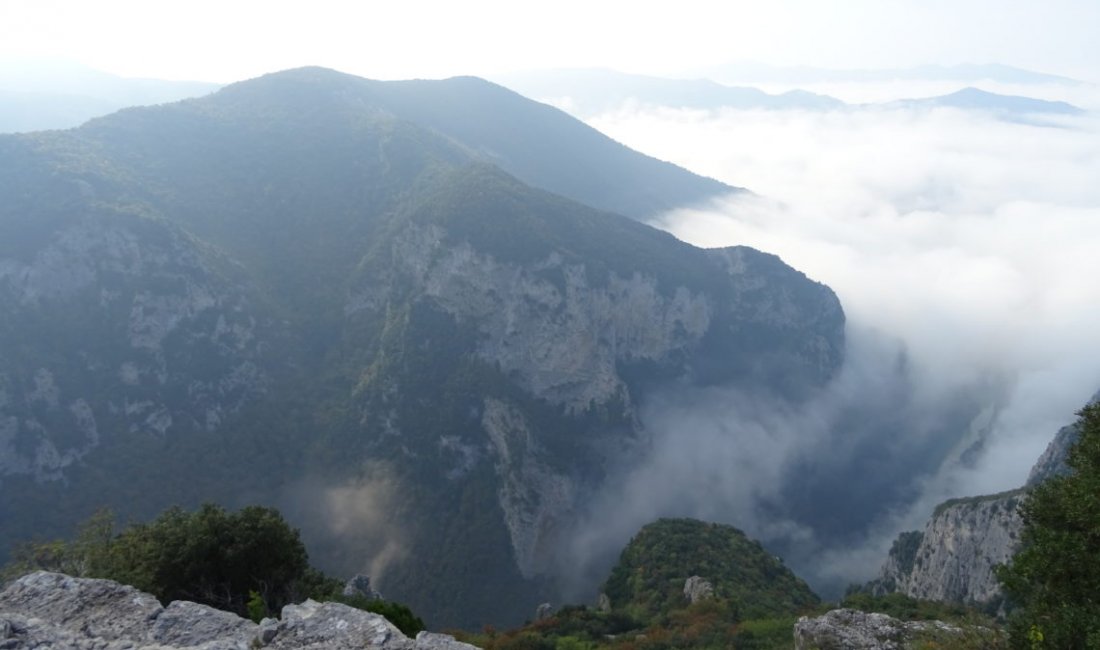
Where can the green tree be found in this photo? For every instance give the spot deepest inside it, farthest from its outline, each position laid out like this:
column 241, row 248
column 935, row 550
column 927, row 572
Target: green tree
column 1055, row 578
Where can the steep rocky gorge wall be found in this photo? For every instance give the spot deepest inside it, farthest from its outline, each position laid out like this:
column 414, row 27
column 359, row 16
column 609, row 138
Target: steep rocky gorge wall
column 955, row 557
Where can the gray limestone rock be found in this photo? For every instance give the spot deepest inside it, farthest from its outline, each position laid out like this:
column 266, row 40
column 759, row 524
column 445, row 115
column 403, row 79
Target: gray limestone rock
column 957, row 553
column 849, row 629
column 51, row 610
column 93, row 608
column 603, row 603
column 697, row 588
column 184, row 623
column 335, row 626
column 434, row 641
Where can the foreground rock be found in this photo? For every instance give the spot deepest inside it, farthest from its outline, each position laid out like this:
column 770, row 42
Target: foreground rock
column 54, row 610
column 849, row 629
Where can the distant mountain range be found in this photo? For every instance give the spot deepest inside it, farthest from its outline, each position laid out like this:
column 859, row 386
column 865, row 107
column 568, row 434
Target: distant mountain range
column 739, row 73
column 589, row 92
column 41, row 95
column 61, row 95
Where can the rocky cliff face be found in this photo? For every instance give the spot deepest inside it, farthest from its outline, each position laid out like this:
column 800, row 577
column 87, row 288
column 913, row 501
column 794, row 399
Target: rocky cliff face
column 954, row 558
column 54, row 610
column 1053, row 460
column 128, row 304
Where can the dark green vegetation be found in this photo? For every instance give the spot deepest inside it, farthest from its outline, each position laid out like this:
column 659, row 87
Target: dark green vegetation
column 1055, row 578
column 648, row 581
column 754, row 604
column 250, row 562
column 318, row 291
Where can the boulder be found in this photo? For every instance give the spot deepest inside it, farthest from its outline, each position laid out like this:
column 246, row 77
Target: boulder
column 850, row 629
column 42, row 610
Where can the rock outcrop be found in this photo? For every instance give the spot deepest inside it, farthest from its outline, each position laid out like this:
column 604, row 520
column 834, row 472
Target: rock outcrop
column 54, row 610
column 697, row 588
column 849, row 629
column 954, row 558
column 1053, row 460
column 360, row 585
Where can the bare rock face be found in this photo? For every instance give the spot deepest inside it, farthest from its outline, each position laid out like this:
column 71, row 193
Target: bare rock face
column 359, row 585
column 544, row 611
column 849, row 629
column 697, row 588
column 53, row 610
column 954, row 559
column 137, row 305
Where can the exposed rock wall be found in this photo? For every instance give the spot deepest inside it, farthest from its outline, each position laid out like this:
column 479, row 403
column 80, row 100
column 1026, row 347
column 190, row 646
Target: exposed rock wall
column 54, row 610
column 155, row 338
column 957, row 552
column 548, row 324
column 534, row 498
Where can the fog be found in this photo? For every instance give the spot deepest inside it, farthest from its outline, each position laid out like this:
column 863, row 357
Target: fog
column 349, row 524
column 964, row 250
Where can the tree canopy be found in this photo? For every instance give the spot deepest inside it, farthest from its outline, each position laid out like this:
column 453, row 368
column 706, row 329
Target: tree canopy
column 1055, row 578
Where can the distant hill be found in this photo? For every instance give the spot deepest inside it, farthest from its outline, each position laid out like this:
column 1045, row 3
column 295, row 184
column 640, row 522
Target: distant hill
column 37, row 95
column 963, row 72
column 976, row 99
column 587, row 93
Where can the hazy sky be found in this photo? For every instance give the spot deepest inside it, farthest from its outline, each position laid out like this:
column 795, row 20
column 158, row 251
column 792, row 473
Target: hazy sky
column 230, row 40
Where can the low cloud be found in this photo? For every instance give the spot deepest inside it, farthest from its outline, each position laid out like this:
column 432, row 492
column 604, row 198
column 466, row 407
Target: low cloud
column 965, row 252
column 350, row 524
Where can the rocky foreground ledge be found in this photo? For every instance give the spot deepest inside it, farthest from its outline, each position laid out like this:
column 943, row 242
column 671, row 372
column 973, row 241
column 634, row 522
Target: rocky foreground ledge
column 53, row 610
column 850, row 629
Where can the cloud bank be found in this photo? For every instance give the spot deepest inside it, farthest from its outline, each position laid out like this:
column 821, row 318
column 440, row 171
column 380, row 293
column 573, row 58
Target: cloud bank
column 965, row 252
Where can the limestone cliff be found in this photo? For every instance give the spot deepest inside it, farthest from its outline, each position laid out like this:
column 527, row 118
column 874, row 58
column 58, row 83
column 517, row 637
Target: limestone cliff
column 954, row 558
column 132, row 309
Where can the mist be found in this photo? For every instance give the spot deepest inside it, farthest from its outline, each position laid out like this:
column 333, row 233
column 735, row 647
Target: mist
column 350, row 524
column 964, row 251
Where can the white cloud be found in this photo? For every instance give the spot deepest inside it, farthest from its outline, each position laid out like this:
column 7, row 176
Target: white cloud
column 965, row 252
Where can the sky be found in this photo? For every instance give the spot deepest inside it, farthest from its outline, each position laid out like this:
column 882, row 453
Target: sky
column 224, row 41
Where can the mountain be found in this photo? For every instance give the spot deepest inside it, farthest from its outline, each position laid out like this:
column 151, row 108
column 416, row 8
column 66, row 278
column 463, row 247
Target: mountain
column 954, row 558
column 39, row 95
column 975, row 99
column 357, row 300
column 589, row 92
